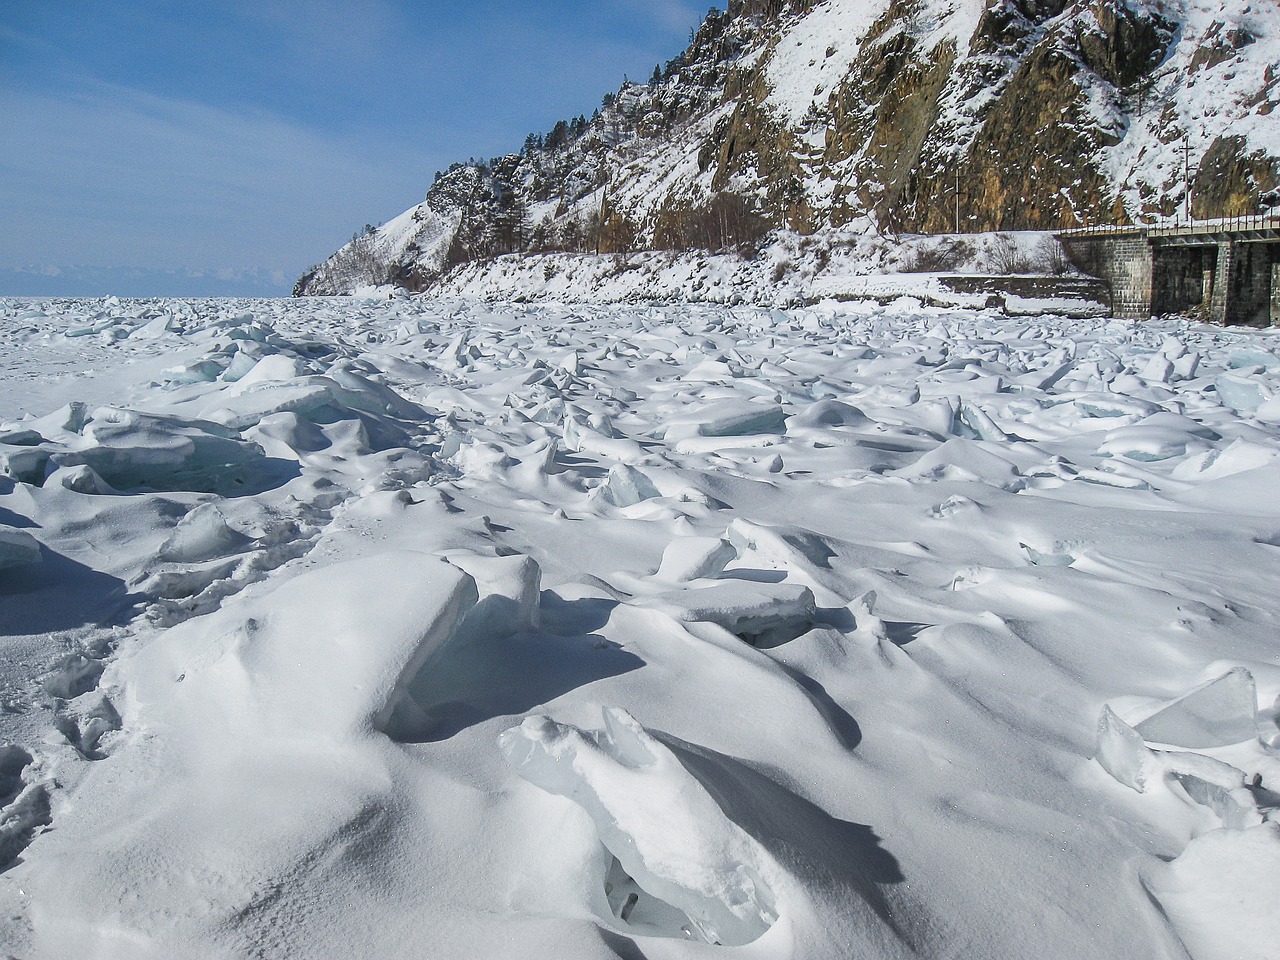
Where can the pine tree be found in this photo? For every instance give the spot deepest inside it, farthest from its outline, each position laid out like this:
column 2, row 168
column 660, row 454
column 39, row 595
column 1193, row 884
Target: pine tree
column 558, row 136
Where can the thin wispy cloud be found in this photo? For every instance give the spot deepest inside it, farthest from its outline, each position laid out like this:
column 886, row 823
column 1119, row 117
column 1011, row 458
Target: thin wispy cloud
column 246, row 135
column 201, row 185
column 673, row 15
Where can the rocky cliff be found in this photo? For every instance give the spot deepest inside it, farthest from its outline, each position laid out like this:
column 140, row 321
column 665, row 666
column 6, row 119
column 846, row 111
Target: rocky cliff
column 898, row 116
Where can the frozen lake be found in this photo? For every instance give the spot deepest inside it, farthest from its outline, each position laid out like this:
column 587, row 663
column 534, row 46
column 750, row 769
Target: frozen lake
column 343, row 628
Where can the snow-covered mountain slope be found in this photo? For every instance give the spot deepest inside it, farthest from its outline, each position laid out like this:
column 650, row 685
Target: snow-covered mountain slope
column 343, row 628
column 931, row 116
column 954, row 271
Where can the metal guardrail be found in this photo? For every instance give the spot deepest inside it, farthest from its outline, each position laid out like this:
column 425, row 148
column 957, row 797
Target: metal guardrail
column 1217, row 225
column 1242, row 224
column 1102, row 231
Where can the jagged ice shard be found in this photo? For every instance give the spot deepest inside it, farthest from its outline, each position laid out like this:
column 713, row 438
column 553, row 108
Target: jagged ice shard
column 658, row 821
column 1213, row 714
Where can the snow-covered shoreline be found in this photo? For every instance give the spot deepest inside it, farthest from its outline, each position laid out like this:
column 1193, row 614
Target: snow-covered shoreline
column 357, row 628
column 792, row 272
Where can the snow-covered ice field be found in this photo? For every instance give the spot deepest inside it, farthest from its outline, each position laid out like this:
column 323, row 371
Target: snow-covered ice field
column 416, row 629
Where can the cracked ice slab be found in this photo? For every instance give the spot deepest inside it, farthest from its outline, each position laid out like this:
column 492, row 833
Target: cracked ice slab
column 654, row 816
column 727, row 418
column 130, row 450
column 331, row 653
column 1208, row 782
column 1219, row 712
column 743, row 607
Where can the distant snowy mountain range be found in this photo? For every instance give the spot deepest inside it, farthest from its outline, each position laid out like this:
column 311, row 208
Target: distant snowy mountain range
column 827, row 122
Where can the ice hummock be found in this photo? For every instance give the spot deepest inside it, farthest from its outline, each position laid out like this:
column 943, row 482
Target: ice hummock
column 763, row 614
column 626, row 486
column 129, row 450
column 1199, row 780
column 263, row 716
column 200, row 535
column 695, row 558
column 660, row 823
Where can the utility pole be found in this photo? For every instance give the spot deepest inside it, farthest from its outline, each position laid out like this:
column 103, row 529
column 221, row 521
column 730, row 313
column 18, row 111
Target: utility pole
column 604, row 201
column 1186, row 176
column 957, row 198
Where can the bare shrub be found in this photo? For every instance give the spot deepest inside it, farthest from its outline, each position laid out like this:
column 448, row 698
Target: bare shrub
column 945, row 253
column 728, row 221
column 1006, row 257
column 357, row 263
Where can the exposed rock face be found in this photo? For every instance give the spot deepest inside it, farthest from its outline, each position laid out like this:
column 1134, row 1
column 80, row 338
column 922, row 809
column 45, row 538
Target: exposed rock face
column 909, row 115
column 1230, row 181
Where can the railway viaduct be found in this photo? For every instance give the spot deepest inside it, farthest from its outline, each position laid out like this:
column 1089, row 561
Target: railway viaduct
column 1227, row 270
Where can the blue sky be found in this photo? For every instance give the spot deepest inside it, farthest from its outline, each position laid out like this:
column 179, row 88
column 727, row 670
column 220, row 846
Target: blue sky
column 182, row 147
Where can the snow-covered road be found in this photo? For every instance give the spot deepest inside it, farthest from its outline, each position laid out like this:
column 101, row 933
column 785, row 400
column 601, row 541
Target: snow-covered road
column 407, row 628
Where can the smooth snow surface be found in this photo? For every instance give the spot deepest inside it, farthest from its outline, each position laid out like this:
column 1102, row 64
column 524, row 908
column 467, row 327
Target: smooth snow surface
column 362, row 628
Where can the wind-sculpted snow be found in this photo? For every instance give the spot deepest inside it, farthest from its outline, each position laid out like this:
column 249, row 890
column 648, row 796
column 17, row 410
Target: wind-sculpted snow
column 916, row 632
column 665, row 830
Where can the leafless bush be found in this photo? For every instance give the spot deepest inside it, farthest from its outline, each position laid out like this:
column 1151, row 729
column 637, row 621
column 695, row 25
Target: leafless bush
column 357, row 263
column 945, row 253
column 620, row 263
column 727, row 221
column 579, row 234
column 1006, row 257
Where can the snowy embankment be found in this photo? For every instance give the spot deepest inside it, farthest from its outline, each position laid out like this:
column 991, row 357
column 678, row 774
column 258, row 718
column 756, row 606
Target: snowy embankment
column 851, row 264
column 341, row 628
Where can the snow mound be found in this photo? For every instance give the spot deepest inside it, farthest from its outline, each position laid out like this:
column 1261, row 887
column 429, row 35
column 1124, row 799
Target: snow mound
column 17, row 548
column 24, row 807
column 661, row 825
column 1220, row 893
